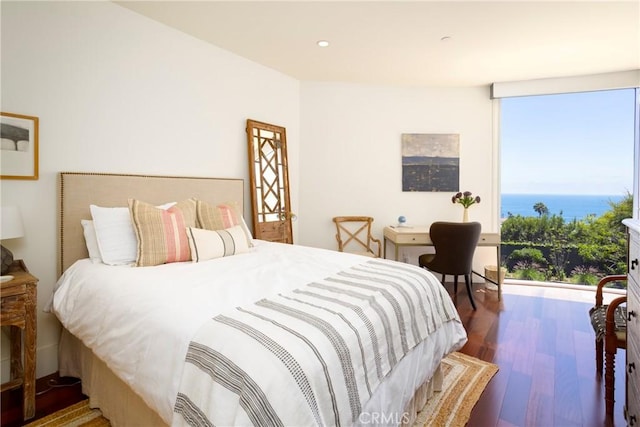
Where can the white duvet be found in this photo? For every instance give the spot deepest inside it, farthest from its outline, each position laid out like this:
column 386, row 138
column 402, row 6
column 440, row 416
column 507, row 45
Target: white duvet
column 140, row 321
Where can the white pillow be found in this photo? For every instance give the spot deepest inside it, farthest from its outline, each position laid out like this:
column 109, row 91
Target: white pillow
column 245, row 228
column 91, row 241
column 209, row 244
column 115, row 234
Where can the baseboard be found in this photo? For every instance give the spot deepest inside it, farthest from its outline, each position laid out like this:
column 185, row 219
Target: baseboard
column 46, row 361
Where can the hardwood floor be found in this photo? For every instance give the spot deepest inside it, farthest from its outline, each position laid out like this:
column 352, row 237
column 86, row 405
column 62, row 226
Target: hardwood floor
column 52, row 393
column 542, row 343
column 544, row 346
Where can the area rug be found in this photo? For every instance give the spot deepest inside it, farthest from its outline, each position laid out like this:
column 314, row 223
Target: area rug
column 465, row 378
column 73, row 416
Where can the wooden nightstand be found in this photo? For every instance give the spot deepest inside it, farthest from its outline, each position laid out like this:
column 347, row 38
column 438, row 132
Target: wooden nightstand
column 19, row 298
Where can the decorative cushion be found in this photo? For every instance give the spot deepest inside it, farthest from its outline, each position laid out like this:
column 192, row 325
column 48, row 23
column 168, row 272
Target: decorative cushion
column 220, row 217
column 162, row 234
column 598, row 317
column 209, row 244
column 91, row 241
column 115, row 235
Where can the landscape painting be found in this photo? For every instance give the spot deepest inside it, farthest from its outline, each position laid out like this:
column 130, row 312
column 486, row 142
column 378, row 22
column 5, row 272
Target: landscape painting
column 430, row 162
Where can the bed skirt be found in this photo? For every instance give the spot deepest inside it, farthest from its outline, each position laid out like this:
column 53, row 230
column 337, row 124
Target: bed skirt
column 123, row 407
column 118, row 403
column 422, row 396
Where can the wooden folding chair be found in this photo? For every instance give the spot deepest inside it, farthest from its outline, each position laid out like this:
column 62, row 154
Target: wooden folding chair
column 355, row 232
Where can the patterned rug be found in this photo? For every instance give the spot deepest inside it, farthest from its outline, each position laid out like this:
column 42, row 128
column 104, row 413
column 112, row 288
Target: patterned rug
column 465, row 378
column 73, row 416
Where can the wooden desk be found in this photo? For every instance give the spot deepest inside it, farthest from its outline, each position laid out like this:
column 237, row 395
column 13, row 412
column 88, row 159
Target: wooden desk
column 419, row 236
column 18, row 298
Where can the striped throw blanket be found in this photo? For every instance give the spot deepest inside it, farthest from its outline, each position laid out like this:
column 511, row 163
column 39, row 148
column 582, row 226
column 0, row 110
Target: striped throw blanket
column 312, row 356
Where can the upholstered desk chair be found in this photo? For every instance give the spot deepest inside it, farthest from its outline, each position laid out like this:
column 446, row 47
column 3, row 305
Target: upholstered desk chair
column 354, row 235
column 455, row 243
column 609, row 322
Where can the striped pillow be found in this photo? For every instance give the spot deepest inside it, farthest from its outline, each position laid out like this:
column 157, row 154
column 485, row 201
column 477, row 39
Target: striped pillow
column 162, row 234
column 209, row 244
column 220, row 217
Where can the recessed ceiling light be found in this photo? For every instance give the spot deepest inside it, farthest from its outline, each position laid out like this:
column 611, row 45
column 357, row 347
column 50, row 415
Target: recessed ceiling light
column 323, row 43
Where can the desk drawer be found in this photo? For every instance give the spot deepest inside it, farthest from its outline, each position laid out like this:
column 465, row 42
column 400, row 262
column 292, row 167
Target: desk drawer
column 13, row 310
column 413, row 239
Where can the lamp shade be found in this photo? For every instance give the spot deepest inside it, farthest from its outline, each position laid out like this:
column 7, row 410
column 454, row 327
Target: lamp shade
column 11, row 223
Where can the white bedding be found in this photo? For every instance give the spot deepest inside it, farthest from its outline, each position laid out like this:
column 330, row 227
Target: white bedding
column 140, row 321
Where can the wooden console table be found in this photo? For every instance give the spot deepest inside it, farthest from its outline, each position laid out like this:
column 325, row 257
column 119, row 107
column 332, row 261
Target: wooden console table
column 18, row 297
column 419, row 236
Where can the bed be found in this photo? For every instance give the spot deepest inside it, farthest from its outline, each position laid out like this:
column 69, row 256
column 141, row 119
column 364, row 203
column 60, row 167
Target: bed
column 273, row 334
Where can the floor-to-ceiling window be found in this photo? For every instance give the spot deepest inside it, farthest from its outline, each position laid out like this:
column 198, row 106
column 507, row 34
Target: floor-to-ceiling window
column 566, row 182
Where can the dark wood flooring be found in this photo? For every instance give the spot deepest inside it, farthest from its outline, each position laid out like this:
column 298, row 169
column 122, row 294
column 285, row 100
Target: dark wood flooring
column 544, row 348
column 52, row 393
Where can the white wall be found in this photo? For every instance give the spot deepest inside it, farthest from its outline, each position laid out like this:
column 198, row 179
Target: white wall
column 117, row 92
column 351, row 157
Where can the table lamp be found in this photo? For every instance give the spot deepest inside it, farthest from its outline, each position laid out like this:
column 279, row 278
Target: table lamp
column 11, row 228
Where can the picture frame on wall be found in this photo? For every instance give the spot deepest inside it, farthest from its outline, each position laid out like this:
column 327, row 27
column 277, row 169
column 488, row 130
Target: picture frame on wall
column 430, row 162
column 18, row 146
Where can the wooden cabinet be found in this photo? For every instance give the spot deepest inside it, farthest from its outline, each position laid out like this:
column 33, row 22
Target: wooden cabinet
column 19, row 297
column 632, row 408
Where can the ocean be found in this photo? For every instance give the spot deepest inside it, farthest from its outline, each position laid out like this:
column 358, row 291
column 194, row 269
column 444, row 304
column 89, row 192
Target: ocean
column 571, row 206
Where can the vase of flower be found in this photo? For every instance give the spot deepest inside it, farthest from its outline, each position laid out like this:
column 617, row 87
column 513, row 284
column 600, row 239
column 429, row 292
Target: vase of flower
column 466, row 199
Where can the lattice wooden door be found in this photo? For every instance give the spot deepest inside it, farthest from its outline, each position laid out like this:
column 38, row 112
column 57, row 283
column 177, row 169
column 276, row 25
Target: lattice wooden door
column 269, row 182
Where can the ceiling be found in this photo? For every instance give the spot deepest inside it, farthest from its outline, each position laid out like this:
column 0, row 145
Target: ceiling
column 401, row 42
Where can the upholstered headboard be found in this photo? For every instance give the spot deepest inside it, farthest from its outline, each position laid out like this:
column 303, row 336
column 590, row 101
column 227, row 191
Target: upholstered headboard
column 78, row 190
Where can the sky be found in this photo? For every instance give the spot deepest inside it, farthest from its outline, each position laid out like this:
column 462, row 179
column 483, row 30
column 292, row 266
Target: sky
column 579, row 143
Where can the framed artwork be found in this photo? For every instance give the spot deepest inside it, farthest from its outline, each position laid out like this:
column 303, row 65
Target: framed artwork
column 430, row 162
column 18, row 146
